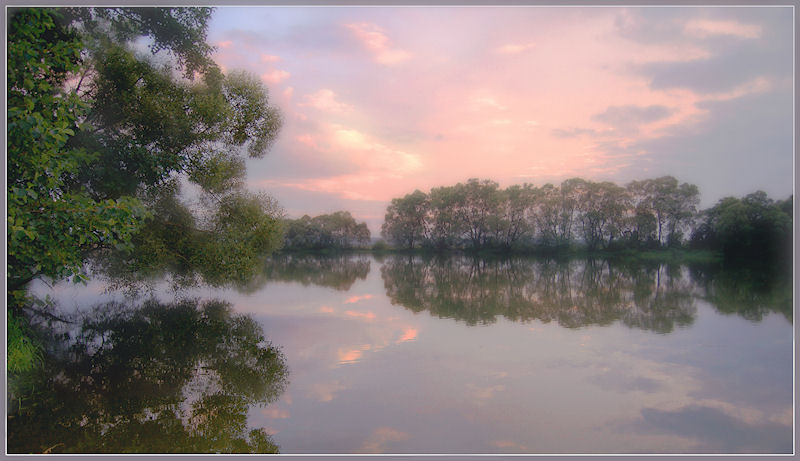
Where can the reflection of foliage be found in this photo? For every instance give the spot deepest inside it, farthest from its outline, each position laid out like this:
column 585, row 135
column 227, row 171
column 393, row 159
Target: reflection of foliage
column 750, row 291
column 338, row 271
column 575, row 293
column 332, row 271
column 578, row 293
column 161, row 378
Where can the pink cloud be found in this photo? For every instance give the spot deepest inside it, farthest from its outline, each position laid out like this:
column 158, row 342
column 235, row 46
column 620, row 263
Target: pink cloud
column 377, row 440
column 274, row 77
column 703, row 28
column 325, row 100
column 352, row 355
column 364, row 315
column 275, row 413
column 270, row 58
column 288, row 92
column 225, row 44
column 409, row 334
column 508, row 444
column 374, row 39
column 307, row 140
column 326, row 309
column 514, row 48
column 326, row 391
column 355, row 299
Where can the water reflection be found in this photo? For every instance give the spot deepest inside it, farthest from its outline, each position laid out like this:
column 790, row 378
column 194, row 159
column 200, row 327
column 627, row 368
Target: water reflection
column 751, row 291
column 155, row 378
column 575, row 293
column 339, row 272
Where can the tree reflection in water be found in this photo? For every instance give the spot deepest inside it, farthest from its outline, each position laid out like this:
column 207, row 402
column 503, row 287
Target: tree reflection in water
column 574, row 293
column 156, row 378
column 337, row 271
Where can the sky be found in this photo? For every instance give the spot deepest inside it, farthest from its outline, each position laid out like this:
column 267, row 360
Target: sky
column 380, row 101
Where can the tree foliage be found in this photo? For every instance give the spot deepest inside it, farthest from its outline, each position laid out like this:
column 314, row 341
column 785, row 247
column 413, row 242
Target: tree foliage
column 651, row 213
column 101, row 132
column 754, row 225
column 337, row 230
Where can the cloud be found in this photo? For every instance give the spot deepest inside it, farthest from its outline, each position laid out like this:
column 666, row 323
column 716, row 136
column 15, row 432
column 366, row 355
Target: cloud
column 479, row 103
column 269, row 58
column 326, row 391
column 275, row 76
column 716, row 431
column 225, row 44
column 373, row 38
column 514, row 48
column 326, row 101
column 732, row 61
column 409, row 334
column 509, row 445
column 347, row 356
column 703, row 28
column 483, row 394
column 364, row 315
column 275, row 413
column 573, row 132
column 751, row 134
column 380, row 437
column 630, row 117
column 355, row 299
column 326, row 309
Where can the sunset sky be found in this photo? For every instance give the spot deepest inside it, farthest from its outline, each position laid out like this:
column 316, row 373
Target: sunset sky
column 379, row 101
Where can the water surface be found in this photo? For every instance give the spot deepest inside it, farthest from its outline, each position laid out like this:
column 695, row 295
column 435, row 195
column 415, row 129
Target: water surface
column 408, row 354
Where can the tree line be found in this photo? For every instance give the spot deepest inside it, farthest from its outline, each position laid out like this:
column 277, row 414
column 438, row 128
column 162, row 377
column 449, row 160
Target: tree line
column 335, row 230
column 646, row 214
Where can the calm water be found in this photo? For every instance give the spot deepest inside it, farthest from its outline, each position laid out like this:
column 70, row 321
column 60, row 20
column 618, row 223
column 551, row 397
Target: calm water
column 424, row 355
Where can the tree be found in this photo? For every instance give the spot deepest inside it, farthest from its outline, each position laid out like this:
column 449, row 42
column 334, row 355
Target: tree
column 671, row 204
column 445, row 216
column 337, row 230
column 405, row 222
column 98, row 135
column 51, row 227
column 517, row 205
column 482, row 200
column 754, row 225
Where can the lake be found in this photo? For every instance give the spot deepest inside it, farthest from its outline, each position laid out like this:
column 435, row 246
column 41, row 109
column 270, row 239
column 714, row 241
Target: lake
column 413, row 354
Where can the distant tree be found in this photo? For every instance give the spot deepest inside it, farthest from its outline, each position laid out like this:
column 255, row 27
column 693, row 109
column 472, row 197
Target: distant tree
column 405, row 222
column 446, row 216
column 481, row 204
column 671, row 204
column 754, row 225
column 516, row 208
column 336, row 230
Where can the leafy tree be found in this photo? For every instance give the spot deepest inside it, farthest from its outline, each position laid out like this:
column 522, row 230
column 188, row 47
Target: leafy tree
column 482, row 200
column 445, row 215
column 671, row 204
column 754, row 225
column 405, row 222
column 51, row 227
column 337, row 230
column 99, row 135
